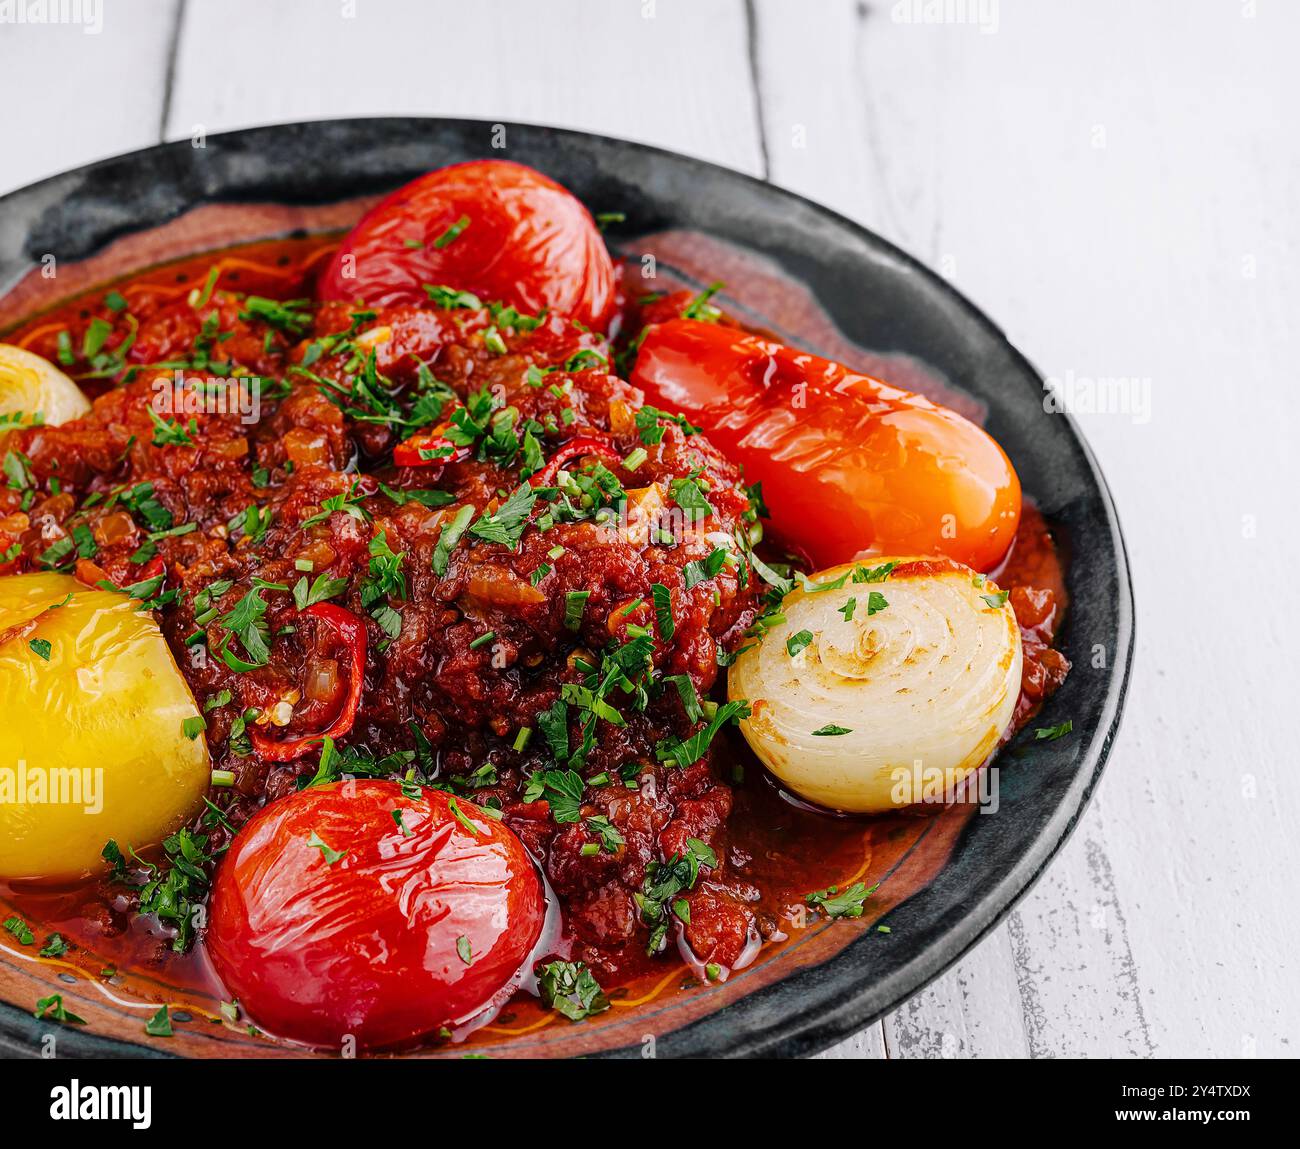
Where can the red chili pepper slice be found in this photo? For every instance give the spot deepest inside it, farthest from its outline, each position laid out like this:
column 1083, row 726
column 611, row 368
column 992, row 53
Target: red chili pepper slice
column 351, row 632
column 574, row 449
column 409, row 452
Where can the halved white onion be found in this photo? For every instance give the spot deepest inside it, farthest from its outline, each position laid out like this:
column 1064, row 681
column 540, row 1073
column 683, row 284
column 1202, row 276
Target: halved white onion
column 32, row 386
column 927, row 682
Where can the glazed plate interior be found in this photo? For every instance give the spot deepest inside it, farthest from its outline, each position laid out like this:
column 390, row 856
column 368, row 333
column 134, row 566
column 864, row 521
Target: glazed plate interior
column 792, row 268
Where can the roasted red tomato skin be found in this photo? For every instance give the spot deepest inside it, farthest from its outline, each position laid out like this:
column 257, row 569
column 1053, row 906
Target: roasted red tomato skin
column 849, row 465
column 369, row 945
column 528, row 243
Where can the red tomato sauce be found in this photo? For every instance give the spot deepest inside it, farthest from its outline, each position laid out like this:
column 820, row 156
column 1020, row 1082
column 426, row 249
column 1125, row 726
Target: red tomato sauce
column 441, row 679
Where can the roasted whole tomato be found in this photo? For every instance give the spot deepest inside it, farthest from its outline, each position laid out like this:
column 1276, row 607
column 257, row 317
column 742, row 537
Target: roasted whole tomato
column 849, row 465
column 498, row 229
column 351, row 908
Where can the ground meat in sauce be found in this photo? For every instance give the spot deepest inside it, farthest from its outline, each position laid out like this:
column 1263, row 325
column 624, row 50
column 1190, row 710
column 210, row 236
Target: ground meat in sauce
column 463, row 700
column 436, row 683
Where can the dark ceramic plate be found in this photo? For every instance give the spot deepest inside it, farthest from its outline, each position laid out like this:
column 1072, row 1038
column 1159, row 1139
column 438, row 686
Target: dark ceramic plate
column 807, row 273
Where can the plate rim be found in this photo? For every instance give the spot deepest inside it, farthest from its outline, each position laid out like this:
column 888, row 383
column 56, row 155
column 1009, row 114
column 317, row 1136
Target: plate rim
column 834, row 1012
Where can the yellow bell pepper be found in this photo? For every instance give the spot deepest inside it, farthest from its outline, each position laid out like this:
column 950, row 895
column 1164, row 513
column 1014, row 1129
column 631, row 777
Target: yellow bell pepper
column 92, row 745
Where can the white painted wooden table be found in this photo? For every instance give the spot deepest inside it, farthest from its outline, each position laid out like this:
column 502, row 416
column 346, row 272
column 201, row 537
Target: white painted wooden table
column 1116, row 183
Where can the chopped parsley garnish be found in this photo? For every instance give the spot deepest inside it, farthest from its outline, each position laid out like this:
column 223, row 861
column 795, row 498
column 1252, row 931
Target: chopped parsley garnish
column 848, row 904
column 246, row 620
column 563, row 791
column 460, row 817
column 292, row 317
column 21, row 930
column 570, row 989
column 18, row 471
column 850, row 605
column 686, row 493
column 174, row 894
column 160, row 1025
column 648, row 420
column 685, row 753
column 507, row 525
column 701, row 308
column 96, row 335
column 831, row 729
column 449, row 236
column 463, row 950
column 663, row 598
column 798, row 642
column 554, row 725
column 609, row 838
column 170, row 433
column 664, row 881
column 588, row 359
column 41, row 648
column 424, row 498
column 52, row 1007
column 876, row 602
column 140, row 501
column 687, row 693
column 56, row 945
column 575, row 602
column 1052, row 733
column 873, row 574
column 384, row 580
column 321, row 588
column 330, row 855
column 348, row 502
column 996, row 601
column 448, row 537
column 193, row 726
column 450, row 298
column 701, row 570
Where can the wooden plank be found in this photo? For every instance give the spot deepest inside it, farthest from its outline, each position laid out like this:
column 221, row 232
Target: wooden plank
column 1111, row 183
column 869, row 1045
column 81, row 94
column 665, row 72
column 1114, row 184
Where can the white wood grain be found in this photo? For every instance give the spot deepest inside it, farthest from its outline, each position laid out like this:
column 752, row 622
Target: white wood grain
column 667, row 72
column 1115, row 184
column 77, row 95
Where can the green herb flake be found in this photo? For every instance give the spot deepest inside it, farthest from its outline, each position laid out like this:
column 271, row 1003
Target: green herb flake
column 330, row 855
column 20, row 929
column 575, row 602
column 448, row 538
column 848, row 904
column 449, row 236
column 160, row 1025
column 798, row 642
column 53, row 1009
column 570, row 989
